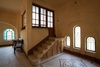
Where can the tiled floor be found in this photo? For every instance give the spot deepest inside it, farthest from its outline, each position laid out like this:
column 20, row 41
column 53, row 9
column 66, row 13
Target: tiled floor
column 8, row 59
column 55, row 61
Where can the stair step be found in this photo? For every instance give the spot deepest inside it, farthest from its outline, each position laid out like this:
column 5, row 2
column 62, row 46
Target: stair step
column 48, row 42
column 34, row 60
column 51, row 38
column 42, row 50
column 45, row 45
column 37, row 54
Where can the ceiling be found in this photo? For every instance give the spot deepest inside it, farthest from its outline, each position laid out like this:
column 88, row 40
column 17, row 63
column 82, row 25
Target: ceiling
column 15, row 5
column 55, row 3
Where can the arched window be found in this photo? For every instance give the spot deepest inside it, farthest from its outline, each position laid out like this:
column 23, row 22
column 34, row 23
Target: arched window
column 90, row 44
column 8, row 34
column 68, row 41
column 77, row 37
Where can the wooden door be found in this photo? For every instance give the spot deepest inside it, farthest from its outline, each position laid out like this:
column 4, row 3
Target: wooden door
column 51, row 32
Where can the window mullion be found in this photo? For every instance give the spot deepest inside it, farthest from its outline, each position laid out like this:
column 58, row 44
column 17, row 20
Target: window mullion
column 46, row 19
column 39, row 17
column 35, row 15
column 53, row 19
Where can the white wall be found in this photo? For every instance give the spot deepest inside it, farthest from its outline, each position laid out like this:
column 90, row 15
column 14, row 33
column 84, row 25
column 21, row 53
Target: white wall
column 86, row 14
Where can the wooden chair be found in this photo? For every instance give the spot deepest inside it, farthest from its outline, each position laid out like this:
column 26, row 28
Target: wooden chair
column 17, row 44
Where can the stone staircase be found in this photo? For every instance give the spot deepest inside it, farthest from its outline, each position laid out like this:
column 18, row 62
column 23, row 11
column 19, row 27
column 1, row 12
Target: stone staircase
column 35, row 58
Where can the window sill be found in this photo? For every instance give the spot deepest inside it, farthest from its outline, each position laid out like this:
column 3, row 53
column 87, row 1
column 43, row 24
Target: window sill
column 90, row 51
column 40, row 27
column 77, row 48
column 67, row 46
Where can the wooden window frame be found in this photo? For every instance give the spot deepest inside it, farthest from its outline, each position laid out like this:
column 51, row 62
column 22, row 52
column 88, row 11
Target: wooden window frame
column 67, row 41
column 40, row 17
column 74, row 38
column 86, row 45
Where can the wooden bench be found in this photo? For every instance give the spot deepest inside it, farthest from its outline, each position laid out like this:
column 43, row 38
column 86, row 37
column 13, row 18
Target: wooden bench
column 17, row 44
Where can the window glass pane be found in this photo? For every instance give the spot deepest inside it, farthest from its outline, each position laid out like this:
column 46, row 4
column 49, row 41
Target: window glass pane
column 44, row 12
column 33, row 8
column 9, row 33
column 37, row 22
column 51, row 24
column 33, row 21
column 90, row 44
column 37, row 16
column 8, row 38
column 4, row 38
column 41, row 25
column 12, row 34
column 44, row 17
column 41, row 22
column 41, row 17
column 77, row 37
column 7, row 29
column 37, row 10
column 48, row 24
column 41, row 11
column 33, row 15
column 48, row 13
column 68, row 41
column 52, row 14
column 13, row 37
column 44, row 23
column 33, row 25
column 49, row 18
